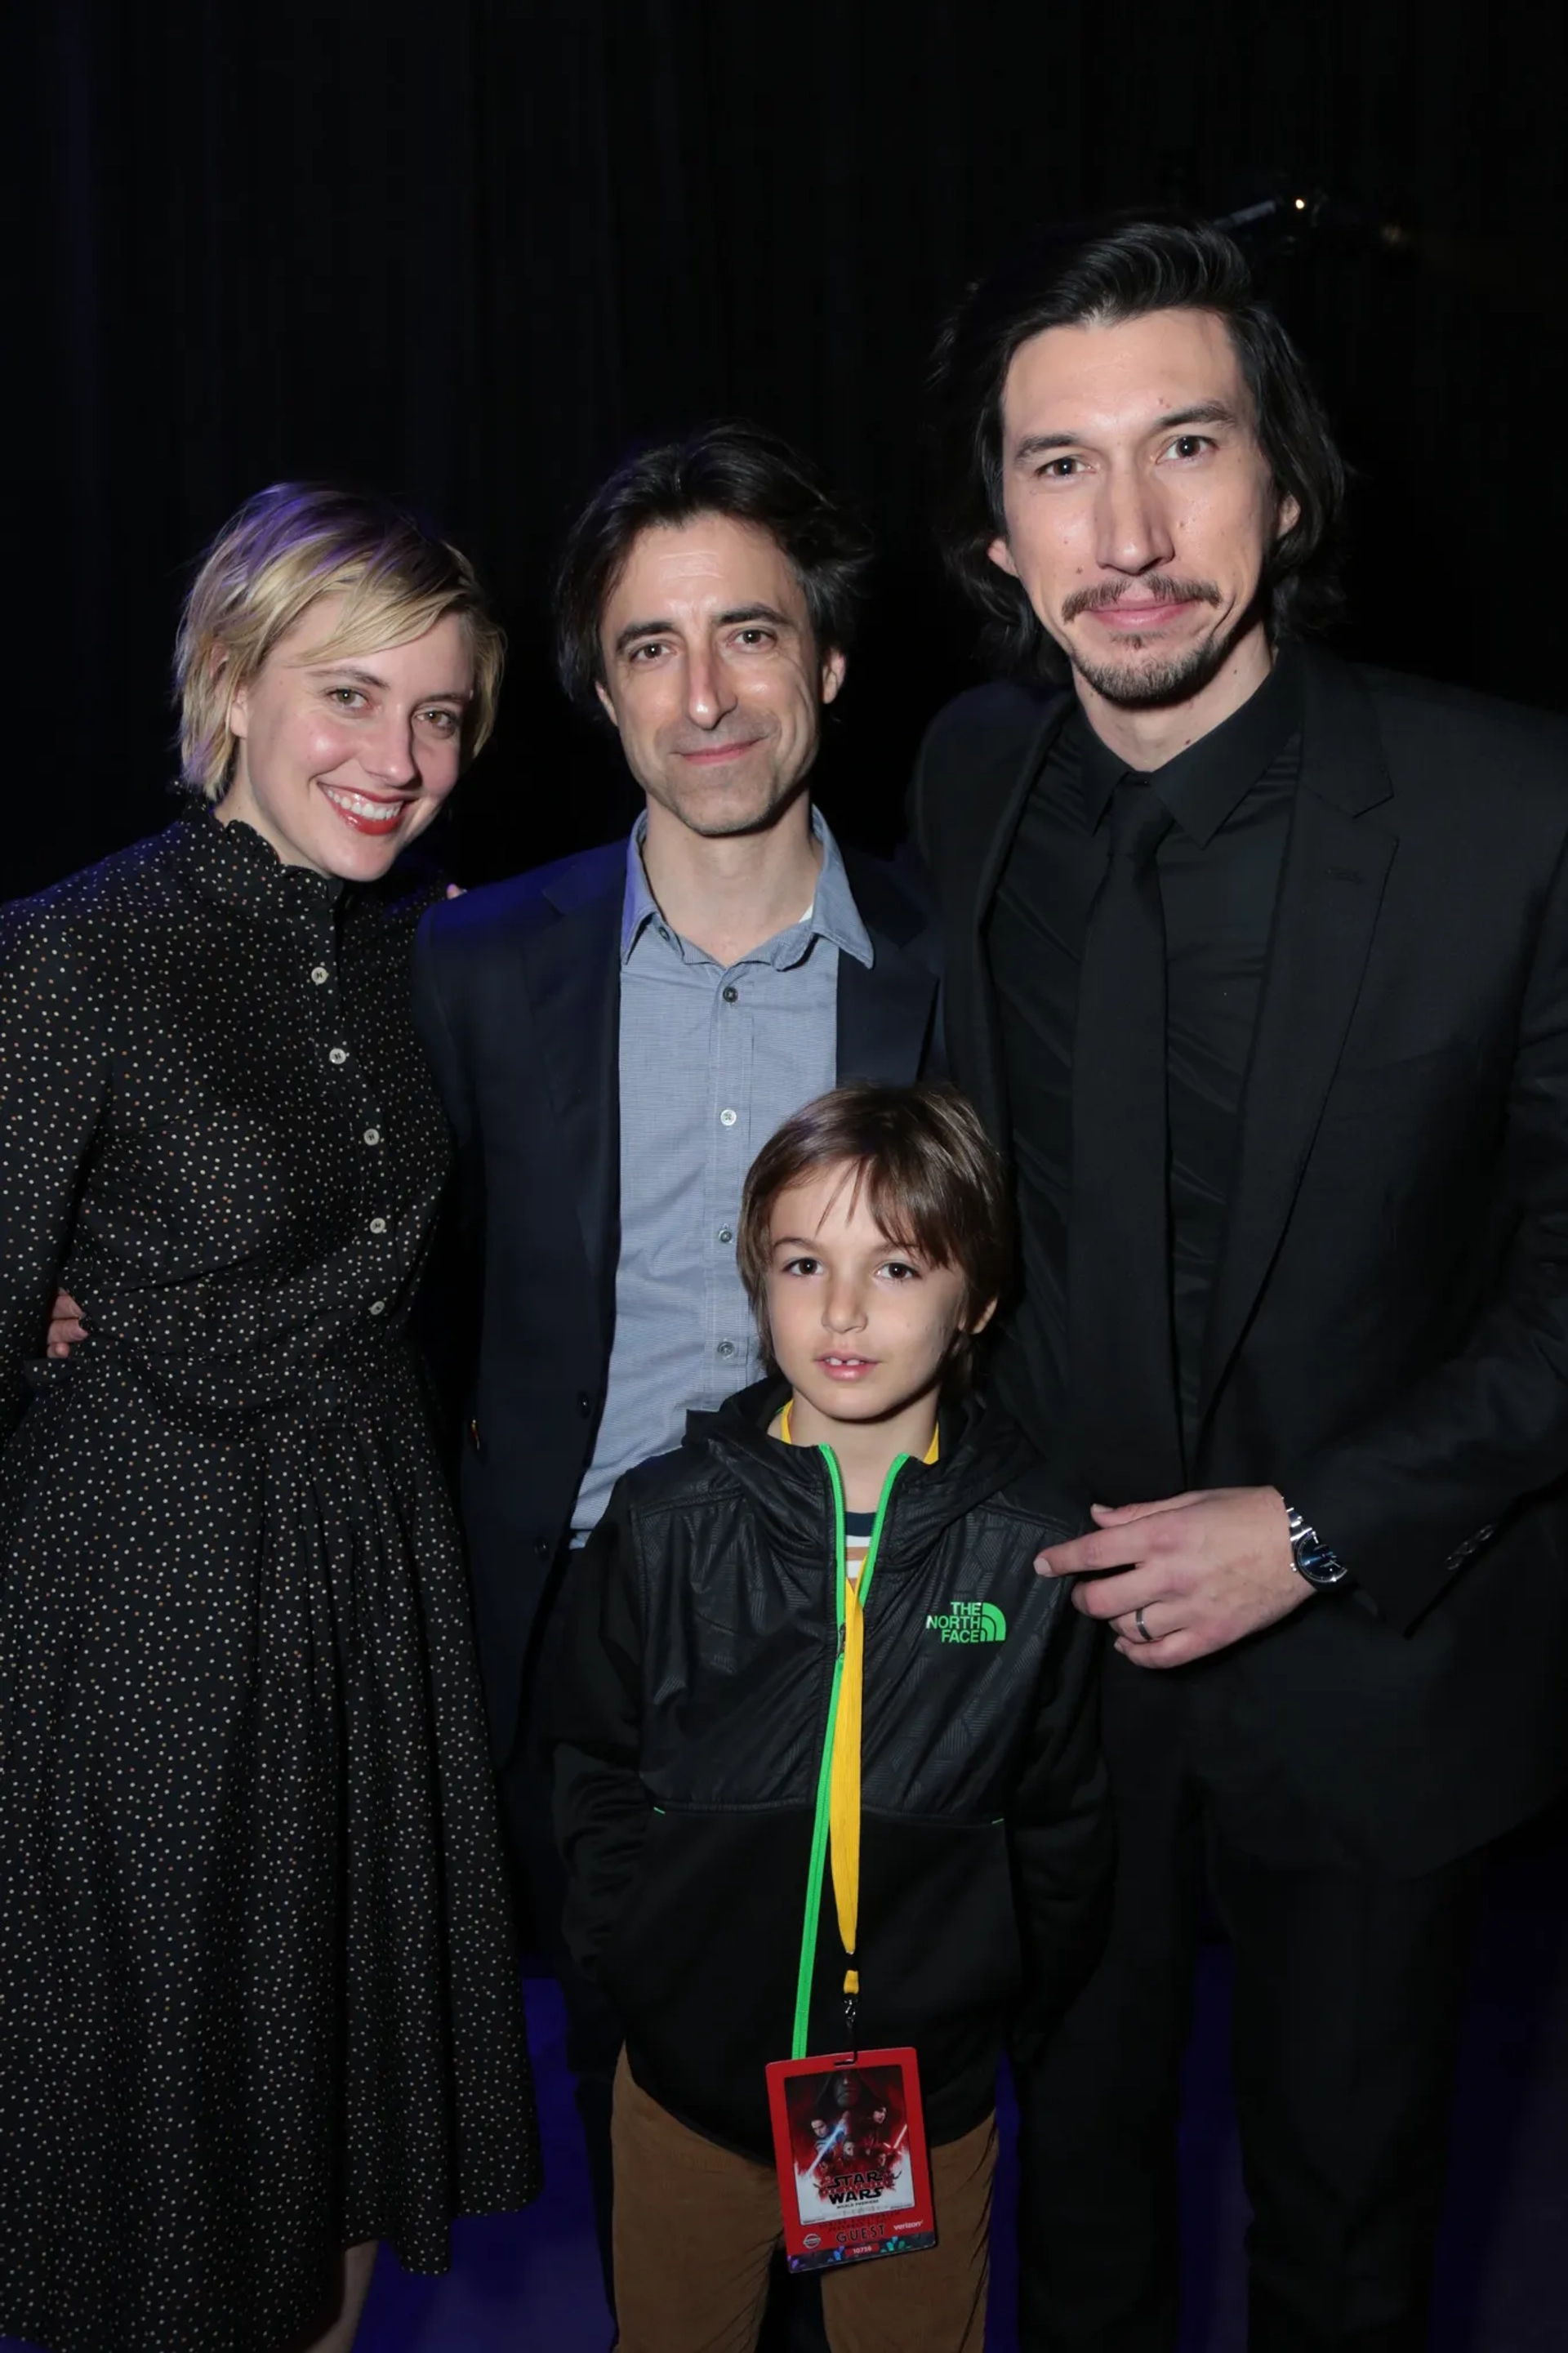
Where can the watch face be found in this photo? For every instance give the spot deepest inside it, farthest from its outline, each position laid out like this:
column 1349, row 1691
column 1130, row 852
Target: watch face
column 1321, row 1567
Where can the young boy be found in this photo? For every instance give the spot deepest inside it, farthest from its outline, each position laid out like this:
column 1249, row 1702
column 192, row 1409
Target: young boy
column 740, row 1743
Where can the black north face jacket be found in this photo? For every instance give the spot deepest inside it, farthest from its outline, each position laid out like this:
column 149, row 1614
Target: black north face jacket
column 690, row 1726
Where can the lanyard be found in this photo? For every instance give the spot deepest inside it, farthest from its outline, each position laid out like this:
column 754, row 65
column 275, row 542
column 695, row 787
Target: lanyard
column 837, row 1830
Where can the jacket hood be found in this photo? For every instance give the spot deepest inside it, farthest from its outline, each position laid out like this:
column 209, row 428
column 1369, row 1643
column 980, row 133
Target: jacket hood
column 981, row 1452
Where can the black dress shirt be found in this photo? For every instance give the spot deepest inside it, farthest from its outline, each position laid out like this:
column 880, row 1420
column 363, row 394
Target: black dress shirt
column 1231, row 796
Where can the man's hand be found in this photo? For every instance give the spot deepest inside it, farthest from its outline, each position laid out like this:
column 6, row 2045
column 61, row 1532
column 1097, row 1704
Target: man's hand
column 1205, row 1569
column 66, row 1326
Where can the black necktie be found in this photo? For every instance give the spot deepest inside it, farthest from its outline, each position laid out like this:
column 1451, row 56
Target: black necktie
column 1122, row 1368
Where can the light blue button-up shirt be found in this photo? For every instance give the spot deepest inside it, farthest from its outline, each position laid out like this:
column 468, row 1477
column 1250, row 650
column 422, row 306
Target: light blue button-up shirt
column 711, row 1061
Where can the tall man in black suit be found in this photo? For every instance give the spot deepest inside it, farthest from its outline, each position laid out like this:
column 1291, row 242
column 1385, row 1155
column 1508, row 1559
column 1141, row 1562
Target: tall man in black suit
column 1258, row 964
column 616, row 1036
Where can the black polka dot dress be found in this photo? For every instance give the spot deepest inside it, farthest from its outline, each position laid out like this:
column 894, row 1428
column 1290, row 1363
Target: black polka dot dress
column 258, row 2000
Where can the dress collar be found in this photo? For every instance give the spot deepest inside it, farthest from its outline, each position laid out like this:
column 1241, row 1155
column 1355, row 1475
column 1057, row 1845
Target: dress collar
column 233, row 861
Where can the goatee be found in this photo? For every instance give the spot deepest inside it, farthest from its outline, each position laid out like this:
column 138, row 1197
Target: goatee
column 1175, row 680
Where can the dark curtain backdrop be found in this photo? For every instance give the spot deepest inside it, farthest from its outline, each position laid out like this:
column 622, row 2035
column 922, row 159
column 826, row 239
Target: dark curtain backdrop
column 470, row 252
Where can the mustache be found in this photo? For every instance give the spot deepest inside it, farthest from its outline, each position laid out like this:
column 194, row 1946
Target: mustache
column 1158, row 589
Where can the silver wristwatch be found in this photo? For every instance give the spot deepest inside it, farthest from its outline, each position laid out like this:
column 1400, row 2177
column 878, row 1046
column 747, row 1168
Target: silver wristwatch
column 1310, row 1556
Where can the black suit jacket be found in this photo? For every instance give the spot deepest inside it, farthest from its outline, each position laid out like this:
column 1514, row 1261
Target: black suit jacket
column 517, row 1001
column 1387, row 1338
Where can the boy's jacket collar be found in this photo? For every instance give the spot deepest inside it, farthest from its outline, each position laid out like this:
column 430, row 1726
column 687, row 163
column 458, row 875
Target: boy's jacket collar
column 980, row 1451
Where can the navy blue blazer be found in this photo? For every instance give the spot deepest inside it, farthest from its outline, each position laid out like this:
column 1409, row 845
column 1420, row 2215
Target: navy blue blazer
column 517, row 1002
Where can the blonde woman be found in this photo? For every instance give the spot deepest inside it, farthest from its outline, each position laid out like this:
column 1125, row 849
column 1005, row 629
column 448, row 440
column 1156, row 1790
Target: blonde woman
column 257, row 2008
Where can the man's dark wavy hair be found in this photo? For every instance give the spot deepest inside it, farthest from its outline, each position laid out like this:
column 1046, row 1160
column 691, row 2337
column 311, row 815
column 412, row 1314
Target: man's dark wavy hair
column 1122, row 271
column 726, row 468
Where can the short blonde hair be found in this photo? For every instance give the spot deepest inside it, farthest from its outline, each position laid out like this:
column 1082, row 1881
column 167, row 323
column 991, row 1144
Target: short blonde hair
column 286, row 547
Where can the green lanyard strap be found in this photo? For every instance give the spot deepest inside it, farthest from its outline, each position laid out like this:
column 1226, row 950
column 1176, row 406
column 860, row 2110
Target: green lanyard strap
column 838, row 1821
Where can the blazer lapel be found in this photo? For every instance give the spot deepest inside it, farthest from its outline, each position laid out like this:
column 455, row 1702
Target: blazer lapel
column 886, row 1013
column 1336, row 864
column 574, row 976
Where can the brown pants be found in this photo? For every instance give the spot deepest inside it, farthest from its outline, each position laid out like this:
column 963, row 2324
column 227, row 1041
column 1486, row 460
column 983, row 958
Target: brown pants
column 696, row 2227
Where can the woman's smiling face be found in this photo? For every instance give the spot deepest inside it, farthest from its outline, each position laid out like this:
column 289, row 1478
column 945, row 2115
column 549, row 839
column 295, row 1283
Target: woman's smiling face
column 339, row 763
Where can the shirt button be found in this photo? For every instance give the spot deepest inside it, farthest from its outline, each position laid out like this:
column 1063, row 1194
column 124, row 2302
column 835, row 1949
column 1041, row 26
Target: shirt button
column 726, row 1347
column 726, row 1233
column 338, row 1054
column 378, row 1306
column 320, row 974
column 378, row 1225
column 731, row 994
column 728, row 1118
column 585, row 1403
column 373, row 1135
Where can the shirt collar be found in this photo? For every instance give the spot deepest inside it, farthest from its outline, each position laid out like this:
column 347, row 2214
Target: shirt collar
column 832, row 916
column 1207, row 783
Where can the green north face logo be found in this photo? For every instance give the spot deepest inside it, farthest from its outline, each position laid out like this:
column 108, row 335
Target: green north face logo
column 969, row 1621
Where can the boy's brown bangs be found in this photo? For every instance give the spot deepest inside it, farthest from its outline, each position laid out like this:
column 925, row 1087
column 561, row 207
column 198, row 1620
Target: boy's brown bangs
column 906, row 1208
